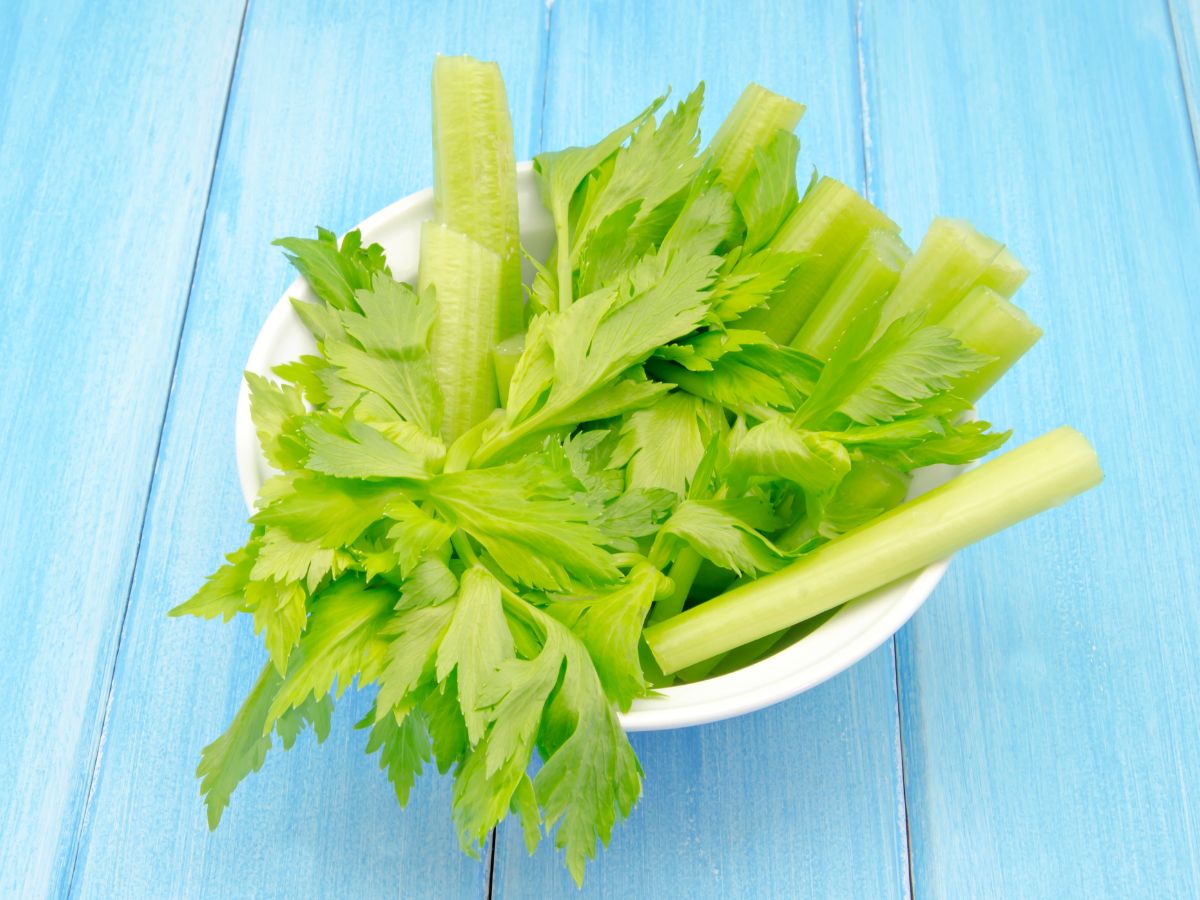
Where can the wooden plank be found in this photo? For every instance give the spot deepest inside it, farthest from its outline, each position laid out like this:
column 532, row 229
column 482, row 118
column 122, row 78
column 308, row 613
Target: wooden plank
column 1185, row 21
column 1051, row 691
column 328, row 121
column 803, row 800
column 109, row 121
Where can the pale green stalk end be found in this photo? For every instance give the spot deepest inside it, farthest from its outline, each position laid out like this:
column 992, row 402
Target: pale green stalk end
column 866, row 279
column 1035, row 477
column 474, row 169
column 990, row 324
column 1004, row 275
column 750, row 125
column 953, row 256
column 829, row 224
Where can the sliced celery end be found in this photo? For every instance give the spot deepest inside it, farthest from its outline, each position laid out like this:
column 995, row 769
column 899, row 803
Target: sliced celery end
column 1039, row 475
column 1004, row 275
column 990, row 324
column 829, row 224
column 465, row 279
column 753, row 121
column 866, row 279
column 474, row 168
column 952, row 257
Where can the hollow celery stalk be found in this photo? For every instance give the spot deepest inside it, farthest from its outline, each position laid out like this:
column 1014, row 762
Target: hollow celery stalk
column 474, row 170
column 1004, row 275
column 829, row 224
column 866, row 279
column 990, row 324
column 1041, row 474
column 465, row 277
column 752, row 122
column 952, row 257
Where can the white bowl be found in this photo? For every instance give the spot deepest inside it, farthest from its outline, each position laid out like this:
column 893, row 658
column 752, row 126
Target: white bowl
column 851, row 634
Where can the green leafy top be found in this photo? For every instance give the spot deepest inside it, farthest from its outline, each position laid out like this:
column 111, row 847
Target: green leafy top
column 493, row 592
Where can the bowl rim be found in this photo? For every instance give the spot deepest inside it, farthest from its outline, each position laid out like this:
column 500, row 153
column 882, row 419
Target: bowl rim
column 782, row 675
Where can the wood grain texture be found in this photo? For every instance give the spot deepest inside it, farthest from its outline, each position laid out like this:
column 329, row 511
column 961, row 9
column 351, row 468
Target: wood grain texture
column 1185, row 21
column 803, row 800
column 1051, row 690
column 98, row 234
column 328, row 121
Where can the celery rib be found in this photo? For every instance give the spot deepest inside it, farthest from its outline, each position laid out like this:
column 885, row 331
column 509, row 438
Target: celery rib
column 753, row 121
column 1023, row 482
column 828, row 226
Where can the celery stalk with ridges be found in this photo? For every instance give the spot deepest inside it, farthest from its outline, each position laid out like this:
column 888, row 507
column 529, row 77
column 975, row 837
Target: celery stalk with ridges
column 1037, row 476
column 829, row 224
column 985, row 321
column 752, row 122
column 866, row 279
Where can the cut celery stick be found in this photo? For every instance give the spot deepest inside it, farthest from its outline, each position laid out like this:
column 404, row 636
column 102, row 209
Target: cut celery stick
column 682, row 573
column 1004, row 275
column 504, row 356
column 474, row 170
column 951, row 259
column 752, row 122
column 465, row 277
column 1037, row 476
column 829, row 224
column 866, row 279
column 992, row 325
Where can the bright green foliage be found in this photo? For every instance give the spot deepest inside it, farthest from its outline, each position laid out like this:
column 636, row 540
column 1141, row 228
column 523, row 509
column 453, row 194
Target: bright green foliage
column 496, row 575
column 335, row 273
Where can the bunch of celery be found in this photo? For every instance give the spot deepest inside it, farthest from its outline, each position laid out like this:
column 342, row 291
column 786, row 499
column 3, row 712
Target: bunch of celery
column 686, row 448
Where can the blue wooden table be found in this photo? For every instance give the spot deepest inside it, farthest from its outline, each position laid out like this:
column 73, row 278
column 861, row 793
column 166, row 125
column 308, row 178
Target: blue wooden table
column 1034, row 732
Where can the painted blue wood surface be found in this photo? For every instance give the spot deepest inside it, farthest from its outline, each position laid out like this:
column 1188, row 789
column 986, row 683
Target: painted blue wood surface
column 328, row 121
column 803, row 800
column 1051, row 688
column 1185, row 19
column 108, row 127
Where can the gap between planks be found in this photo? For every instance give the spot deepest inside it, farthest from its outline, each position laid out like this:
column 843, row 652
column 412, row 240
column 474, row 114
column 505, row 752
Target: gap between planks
column 108, row 677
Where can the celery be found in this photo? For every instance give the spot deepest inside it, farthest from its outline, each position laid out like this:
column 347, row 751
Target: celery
column 992, row 325
column 465, row 277
column 952, row 257
column 1023, row 482
column 865, row 280
column 751, row 653
column 753, row 121
column 828, row 225
column 682, row 573
column 1004, row 275
column 504, row 356
column 474, row 170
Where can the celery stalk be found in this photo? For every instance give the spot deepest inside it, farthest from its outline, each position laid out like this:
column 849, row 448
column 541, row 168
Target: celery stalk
column 752, row 122
column 828, row 225
column 504, row 356
column 1004, row 275
column 465, row 277
column 682, row 573
column 952, row 257
column 1041, row 474
column 865, row 280
column 474, row 170
column 990, row 324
